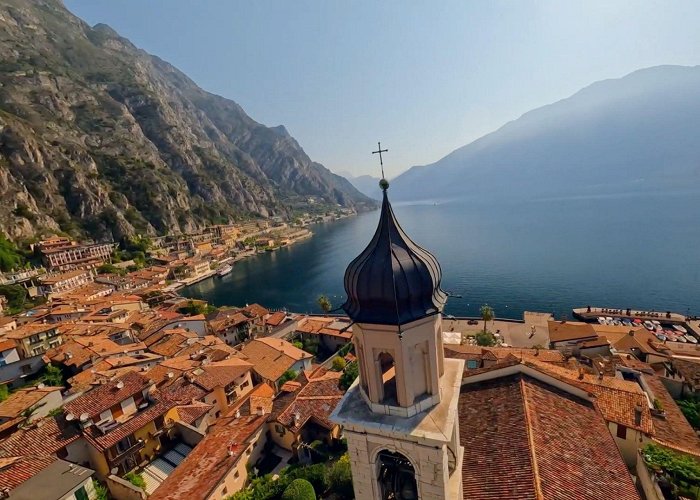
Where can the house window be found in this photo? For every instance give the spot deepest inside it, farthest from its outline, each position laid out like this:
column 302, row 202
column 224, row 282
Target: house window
column 236, row 475
column 224, row 491
column 621, row 431
column 472, row 364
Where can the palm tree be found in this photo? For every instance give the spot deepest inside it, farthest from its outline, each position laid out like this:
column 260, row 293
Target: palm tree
column 486, row 314
column 325, row 304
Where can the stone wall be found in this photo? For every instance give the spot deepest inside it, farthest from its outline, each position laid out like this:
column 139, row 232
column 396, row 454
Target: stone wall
column 121, row 489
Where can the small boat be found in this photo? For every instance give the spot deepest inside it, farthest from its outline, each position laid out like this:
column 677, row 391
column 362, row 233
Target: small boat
column 626, row 322
column 608, row 320
column 671, row 337
column 649, row 326
column 681, row 338
column 224, row 270
column 601, row 320
column 637, row 321
column 691, row 339
column 661, row 337
column 680, row 328
column 656, row 323
column 617, row 322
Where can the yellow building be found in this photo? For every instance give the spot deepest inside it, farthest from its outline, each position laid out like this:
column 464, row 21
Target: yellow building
column 122, row 423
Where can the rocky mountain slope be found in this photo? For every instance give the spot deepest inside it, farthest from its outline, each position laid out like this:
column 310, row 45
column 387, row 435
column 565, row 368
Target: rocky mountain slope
column 102, row 139
column 638, row 133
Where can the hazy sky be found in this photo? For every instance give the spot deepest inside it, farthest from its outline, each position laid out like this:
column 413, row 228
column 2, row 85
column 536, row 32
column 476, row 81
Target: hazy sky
column 423, row 77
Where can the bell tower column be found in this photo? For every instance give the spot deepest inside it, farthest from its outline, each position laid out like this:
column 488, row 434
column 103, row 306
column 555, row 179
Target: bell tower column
column 400, row 419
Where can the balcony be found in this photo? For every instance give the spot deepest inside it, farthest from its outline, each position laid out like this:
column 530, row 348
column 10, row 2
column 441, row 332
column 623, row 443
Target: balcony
column 126, row 453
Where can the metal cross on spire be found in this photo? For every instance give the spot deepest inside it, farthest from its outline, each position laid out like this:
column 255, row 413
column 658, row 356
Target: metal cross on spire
column 380, row 151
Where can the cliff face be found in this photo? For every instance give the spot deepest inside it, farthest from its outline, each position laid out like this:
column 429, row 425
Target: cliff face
column 100, row 138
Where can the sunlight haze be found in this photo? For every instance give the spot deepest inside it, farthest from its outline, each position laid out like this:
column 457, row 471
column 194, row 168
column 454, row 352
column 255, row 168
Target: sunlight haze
column 424, row 78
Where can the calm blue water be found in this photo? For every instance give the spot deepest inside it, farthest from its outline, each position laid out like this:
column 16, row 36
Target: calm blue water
column 637, row 251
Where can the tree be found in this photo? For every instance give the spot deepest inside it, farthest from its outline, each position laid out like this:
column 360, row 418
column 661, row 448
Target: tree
column 691, row 410
column 299, row 489
column 52, row 376
column 325, row 304
column 101, row 492
column 486, row 314
column 316, row 474
column 298, row 344
column 4, row 392
column 136, row 479
column 485, row 339
column 16, row 296
column 287, row 376
column 338, row 364
column 108, row 268
column 349, row 375
column 10, row 256
column 340, row 477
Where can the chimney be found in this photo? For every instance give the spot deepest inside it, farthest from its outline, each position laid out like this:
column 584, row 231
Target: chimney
column 238, row 413
column 580, row 373
column 631, row 334
column 638, row 414
column 600, row 376
column 296, row 418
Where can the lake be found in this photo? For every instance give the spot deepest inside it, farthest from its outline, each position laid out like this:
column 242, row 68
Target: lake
column 630, row 250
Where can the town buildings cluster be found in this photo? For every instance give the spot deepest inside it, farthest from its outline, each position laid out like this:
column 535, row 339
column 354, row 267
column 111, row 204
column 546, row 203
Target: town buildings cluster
column 117, row 377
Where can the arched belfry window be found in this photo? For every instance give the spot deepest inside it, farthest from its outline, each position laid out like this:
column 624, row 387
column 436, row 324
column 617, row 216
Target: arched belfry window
column 397, row 477
column 388, row 377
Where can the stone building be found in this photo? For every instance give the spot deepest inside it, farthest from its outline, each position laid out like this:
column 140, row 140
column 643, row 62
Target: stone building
column 400, row 416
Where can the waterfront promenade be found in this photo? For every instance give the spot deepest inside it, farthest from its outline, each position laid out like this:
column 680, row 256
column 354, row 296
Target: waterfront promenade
column 530, row 331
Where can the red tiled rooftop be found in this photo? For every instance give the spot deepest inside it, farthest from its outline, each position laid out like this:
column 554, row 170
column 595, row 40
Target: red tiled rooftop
column 525, row 439
column 44, row 437
column 104, row 397
column 206, row 465
column 16, row 470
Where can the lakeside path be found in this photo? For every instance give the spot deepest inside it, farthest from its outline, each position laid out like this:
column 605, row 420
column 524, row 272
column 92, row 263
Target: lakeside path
column 515, row 333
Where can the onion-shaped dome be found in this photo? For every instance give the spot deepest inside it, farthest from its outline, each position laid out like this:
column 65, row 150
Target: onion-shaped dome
column 393, row 281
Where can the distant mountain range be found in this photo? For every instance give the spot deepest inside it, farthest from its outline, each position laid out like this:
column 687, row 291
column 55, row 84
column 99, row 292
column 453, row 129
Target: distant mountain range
column 99, row 138
column 637, row 133
column 365, row 184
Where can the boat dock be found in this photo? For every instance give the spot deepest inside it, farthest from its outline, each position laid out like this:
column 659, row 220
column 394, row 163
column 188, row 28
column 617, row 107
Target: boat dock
column 592, row 313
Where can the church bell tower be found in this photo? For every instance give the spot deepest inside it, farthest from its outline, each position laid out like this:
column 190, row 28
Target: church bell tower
column 400, row 416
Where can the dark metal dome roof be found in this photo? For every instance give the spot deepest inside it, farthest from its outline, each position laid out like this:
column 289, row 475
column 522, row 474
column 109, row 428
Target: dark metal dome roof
column 393, row 281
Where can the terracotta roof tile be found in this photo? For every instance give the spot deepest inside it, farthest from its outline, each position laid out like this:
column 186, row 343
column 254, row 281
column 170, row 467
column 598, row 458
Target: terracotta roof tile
column 529, row 440
column 272, row 357
column 133, row 424
column 23, row 399
column 221, row 373
column 16, row 470
column 45, row 436
column 105, row 396
column 215, row 455
column 561, row 331
column 191, row 413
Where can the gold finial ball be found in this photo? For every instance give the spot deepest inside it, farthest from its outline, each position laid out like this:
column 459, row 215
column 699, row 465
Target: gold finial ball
column 384, row 184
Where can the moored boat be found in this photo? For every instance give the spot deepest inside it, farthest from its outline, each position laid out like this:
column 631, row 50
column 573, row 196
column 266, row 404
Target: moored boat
column 691, row 339
column 649, row 326
column 224, row 270
column 680, row 328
